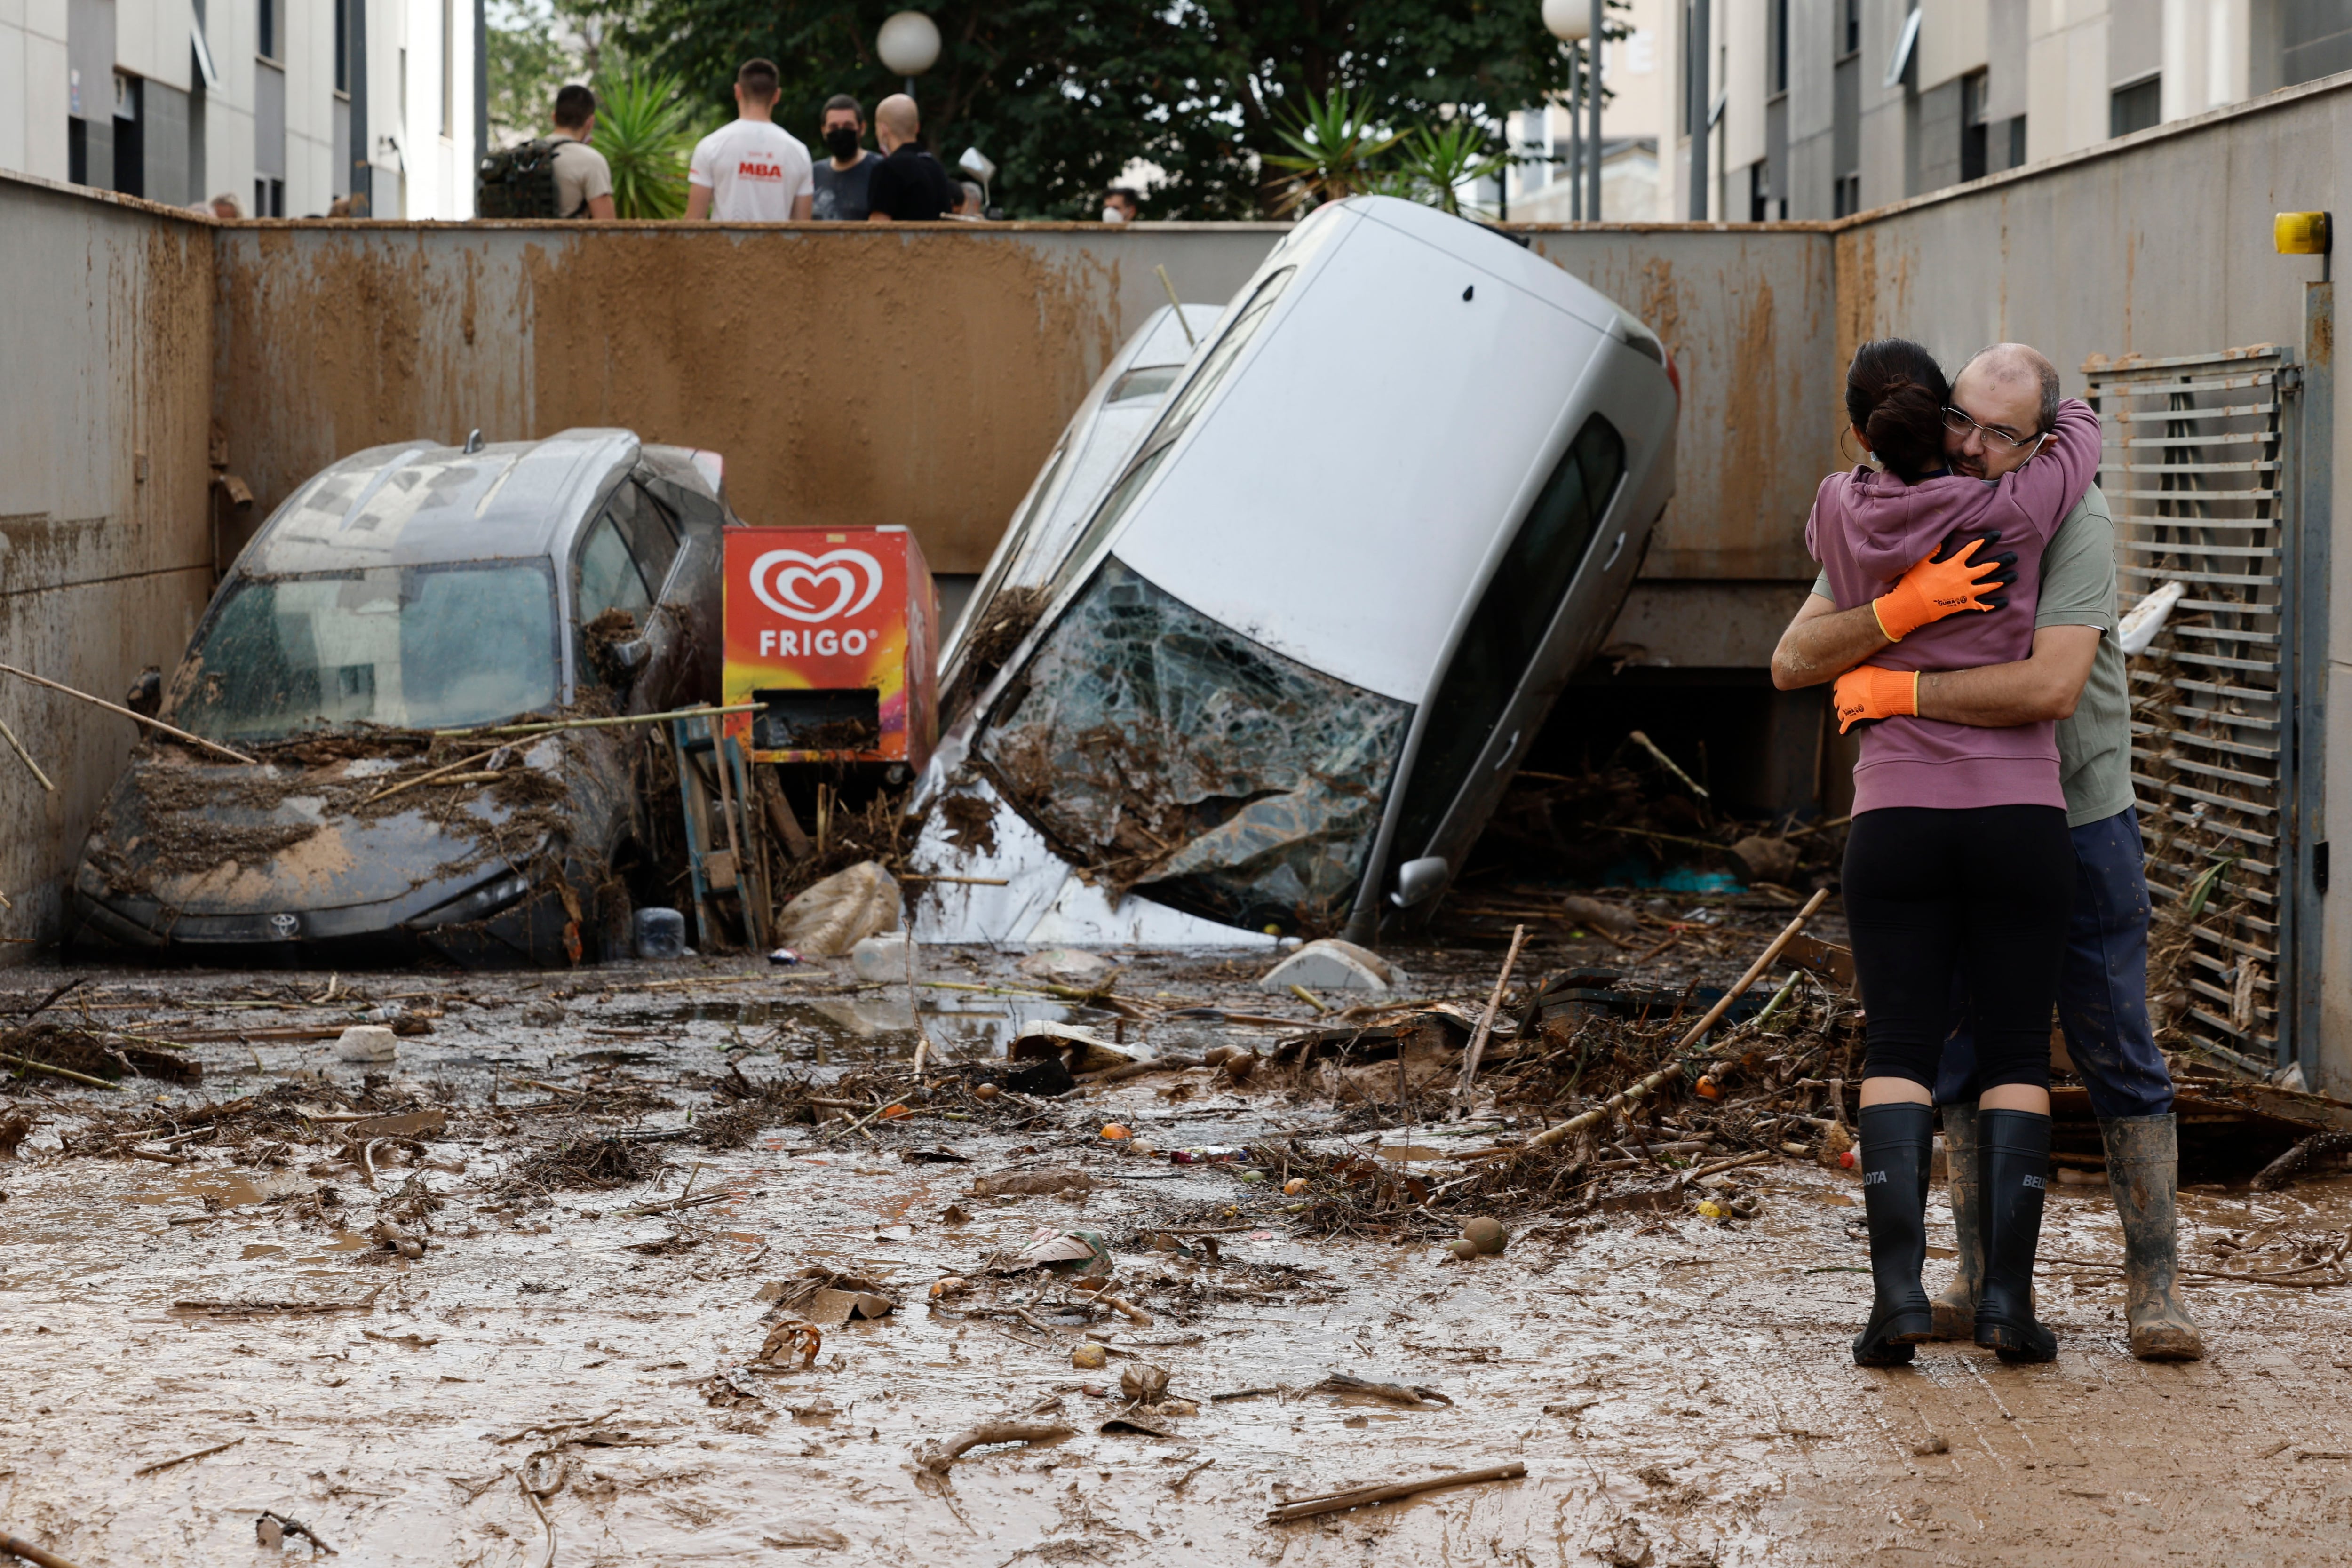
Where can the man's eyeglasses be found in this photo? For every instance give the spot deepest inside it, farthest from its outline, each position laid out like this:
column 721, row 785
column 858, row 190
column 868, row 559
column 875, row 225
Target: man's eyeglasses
column 1958, row 423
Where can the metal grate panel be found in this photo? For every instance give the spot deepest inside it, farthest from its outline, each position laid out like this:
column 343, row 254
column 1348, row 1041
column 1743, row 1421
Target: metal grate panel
column 2194, row 466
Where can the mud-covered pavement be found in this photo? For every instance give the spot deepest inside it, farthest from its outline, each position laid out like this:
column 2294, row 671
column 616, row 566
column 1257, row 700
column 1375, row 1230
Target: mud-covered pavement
column 559, row 1379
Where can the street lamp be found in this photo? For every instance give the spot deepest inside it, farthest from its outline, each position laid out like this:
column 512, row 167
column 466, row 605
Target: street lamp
column 909, row 44
column 1575, row 22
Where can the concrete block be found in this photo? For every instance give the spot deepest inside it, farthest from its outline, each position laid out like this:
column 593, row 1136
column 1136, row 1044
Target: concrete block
column 372, row 1043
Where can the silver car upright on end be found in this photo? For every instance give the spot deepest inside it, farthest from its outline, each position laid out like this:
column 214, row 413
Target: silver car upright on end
column 1282, row 675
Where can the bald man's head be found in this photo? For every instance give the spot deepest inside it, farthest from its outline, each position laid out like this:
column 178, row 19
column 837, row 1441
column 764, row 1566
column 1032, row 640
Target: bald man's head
column 2010, row 393
column 896, row 121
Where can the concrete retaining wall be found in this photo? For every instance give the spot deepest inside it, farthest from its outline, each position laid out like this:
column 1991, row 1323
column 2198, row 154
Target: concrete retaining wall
column 105, row 333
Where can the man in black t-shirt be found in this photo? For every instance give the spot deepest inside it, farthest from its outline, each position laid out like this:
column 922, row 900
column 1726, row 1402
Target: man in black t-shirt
column 844, row 177
column 908, row 185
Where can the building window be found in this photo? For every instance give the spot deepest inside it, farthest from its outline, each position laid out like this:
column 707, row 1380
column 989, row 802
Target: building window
column 2135, row 107
column 1974, row 141
column 1849, row 26
column 268, row 198
column 342, row 46
column 1779, row 22
column 448, row 67
column 2017, row 142
column 1847, row 195
column 1759, row 193
column 267, row 45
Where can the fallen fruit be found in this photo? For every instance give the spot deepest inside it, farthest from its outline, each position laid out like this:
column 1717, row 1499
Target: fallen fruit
column 892, row 1112
column 1251, row 1178
column 1710, row 1209
column 1215, row 1055
column 950, row 1286
column 1240, row 1065
column 985, row 1092
column 1293, row 1187
column 1486, row 1233
column 1706, row 1089
column 1464, row 1250
column 1114, row 1130
column 1089, row 1357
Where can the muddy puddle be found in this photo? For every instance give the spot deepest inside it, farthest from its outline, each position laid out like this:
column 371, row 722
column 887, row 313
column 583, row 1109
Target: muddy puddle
column 570, row 1378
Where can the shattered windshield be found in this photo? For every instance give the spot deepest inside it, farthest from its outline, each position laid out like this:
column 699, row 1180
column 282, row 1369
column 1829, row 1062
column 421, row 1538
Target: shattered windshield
column 1161, row 750
column 414, row 646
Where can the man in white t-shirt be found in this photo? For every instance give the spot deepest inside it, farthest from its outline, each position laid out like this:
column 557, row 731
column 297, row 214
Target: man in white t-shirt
column 751, row 170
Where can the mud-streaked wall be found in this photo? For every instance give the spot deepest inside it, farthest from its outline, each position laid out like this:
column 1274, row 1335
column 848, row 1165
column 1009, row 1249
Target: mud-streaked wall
column 106, row 331
column 919, row 373
column 849, row 374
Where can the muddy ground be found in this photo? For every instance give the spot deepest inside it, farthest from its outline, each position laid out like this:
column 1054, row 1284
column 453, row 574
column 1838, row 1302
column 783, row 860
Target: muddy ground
column 557, row 1379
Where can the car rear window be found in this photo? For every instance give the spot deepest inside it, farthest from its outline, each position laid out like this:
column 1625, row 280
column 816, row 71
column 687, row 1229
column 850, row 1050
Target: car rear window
column 410, row 646
column 1506, row 631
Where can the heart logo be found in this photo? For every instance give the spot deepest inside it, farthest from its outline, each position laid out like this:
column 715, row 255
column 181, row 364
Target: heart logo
column 796, row 586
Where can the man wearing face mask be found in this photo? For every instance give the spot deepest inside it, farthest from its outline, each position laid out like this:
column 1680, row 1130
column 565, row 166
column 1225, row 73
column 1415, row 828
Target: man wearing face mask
column 844, row 180
column 1121, row 205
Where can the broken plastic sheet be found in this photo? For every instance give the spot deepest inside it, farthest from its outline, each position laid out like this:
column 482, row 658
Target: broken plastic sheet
column 1160, row 750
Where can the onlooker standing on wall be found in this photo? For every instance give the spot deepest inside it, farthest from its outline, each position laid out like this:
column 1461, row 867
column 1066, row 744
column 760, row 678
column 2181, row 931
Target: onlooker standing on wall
column 583, row 181
column 908, row 185
column 226, row 208
column 1121, row 205
column 844, row 178
column 751, row 170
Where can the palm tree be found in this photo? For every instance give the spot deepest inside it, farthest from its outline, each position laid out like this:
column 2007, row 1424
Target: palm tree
column 644, row 129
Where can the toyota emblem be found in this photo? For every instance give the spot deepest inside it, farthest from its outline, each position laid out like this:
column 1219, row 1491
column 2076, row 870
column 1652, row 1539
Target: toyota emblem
column 285, row 926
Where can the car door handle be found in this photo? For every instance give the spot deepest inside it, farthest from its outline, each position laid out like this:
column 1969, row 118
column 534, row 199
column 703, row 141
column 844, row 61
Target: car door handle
column 1614, row 550
column 1509, row 746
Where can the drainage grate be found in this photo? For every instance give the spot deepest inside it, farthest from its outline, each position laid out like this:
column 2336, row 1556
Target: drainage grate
column 2196, row 473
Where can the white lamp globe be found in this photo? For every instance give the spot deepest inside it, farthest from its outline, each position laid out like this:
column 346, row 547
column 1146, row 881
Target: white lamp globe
column 1570, row 21
column 908, row 43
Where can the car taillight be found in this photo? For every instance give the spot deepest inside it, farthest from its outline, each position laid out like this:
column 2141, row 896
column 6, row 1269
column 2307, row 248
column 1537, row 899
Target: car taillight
column 1674, row 379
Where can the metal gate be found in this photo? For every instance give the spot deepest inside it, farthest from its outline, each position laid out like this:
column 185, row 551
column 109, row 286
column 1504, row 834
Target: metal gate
column 2197, row 472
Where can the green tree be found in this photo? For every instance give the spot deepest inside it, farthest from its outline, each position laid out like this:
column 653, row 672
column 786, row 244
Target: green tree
column 1064, row 95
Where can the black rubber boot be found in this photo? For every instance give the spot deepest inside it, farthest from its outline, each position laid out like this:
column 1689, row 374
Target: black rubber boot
column 1955, row 1308
column 2143, row 1168
column 1897, row 1143
column 2014, row 1174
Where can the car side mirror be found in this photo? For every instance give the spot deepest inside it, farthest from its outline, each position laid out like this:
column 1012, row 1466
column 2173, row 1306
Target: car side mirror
column 628, row 657
column 1418, row 879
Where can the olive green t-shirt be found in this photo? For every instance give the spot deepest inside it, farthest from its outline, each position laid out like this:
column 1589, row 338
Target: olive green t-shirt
column 2078, row 589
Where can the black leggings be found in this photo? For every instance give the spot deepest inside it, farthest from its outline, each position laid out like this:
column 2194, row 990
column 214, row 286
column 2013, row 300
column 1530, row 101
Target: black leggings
column 1987, row 889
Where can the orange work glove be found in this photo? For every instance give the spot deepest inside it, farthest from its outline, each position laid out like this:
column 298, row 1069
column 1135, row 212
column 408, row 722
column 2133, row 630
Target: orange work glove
column 1942, row 584
column 1867, row 694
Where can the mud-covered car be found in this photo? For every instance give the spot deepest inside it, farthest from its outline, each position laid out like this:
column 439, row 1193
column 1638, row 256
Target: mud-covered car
column 1278, row 680
column 406, row 592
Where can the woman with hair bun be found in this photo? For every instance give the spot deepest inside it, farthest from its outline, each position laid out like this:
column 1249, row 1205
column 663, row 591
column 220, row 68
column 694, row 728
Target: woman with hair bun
column 1958, row 864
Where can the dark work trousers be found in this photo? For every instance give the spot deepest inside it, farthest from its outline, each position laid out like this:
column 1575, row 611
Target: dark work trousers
column 2102, row 988
column 1979, row 895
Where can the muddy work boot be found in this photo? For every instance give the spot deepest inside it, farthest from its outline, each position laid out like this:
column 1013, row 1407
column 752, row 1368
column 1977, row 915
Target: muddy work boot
column 1897, row 1142
column 1955, row 1308
column 2013, row 1173
column 2143, row 1167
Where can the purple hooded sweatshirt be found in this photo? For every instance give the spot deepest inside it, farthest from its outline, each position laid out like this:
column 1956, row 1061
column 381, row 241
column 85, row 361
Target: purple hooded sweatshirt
column 1868, row 528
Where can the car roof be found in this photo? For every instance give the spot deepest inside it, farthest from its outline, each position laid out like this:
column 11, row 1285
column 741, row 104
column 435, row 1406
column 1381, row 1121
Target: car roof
column 417, row 504
column 1338, row 495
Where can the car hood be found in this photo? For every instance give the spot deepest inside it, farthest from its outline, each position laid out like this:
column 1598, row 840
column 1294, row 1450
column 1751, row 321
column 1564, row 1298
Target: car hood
column 208, row 839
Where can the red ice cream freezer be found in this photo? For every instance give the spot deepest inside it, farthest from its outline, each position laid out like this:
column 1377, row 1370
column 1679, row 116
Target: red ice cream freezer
column 836, row 632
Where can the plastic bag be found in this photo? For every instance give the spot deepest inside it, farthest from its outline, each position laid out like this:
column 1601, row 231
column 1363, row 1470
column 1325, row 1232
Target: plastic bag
column 841, row 911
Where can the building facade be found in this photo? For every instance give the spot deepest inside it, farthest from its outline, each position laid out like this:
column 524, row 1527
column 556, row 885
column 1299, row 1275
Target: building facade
column 1817, row 108
column 179, row 100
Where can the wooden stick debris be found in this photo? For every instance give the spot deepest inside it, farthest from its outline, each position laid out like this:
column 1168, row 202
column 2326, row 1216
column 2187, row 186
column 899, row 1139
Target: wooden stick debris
column 176, row 733
column 1754, row 1157
column 1486, row 1020
column 966, row 881
column 296, row 1527
column 1357, row 1497
column 1672, row 1070
column 536, row 1507
column 18, row 746
column 199, row 1454
column 428, row 778
column 30, row 1065
column 552, row 725
column 938, row 1458
column 25, row 1549
column 1672, row 767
